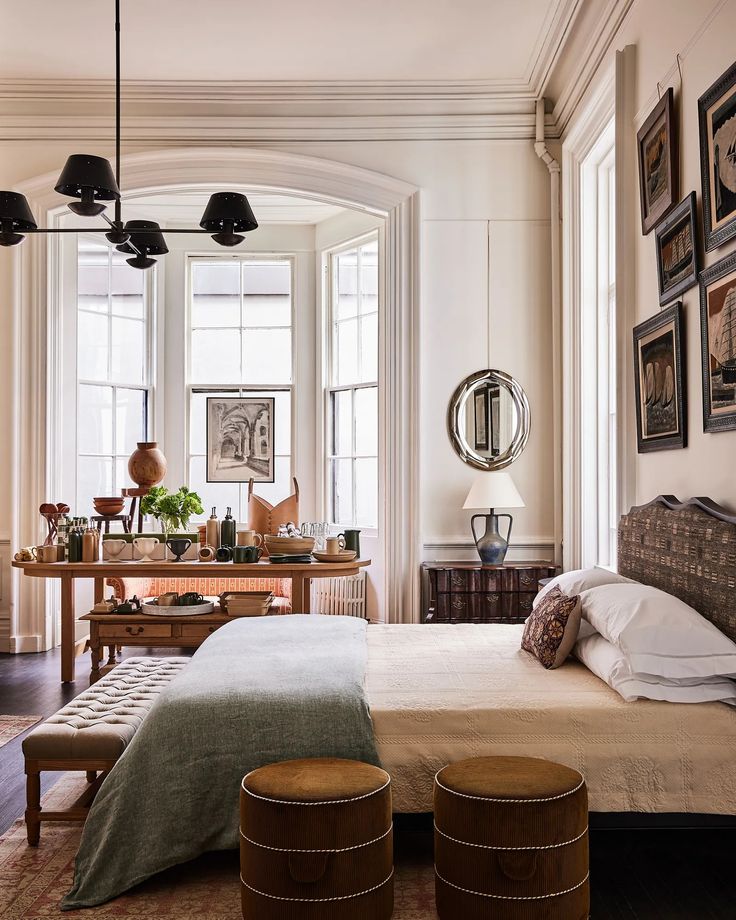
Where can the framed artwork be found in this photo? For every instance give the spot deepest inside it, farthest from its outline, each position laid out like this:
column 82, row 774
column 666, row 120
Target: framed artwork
column 677, row 251
column 718, row 344
column 658, row 162
column 482, row 416
column 717, row 117
column 240, row 438
column 661, row 412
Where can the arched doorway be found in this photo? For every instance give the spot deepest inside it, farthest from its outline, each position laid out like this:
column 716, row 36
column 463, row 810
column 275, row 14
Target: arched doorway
column 37, row 435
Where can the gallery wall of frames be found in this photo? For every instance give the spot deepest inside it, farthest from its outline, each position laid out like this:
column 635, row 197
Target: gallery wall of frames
column 694, row 235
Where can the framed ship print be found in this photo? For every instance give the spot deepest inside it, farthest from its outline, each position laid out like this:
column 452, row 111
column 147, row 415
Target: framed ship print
column 240, row 438
column 718, row 344
column 717, row 117
column 677, row 251
column 658, row 162
column 661, row 413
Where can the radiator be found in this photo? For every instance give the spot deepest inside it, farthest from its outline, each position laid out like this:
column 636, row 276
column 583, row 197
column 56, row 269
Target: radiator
column 340, row 596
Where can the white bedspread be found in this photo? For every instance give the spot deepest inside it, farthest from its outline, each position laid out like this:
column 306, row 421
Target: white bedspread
column 440, row 693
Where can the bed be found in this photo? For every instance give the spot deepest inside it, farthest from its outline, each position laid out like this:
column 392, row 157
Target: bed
column 435, row 693
column 439, row 692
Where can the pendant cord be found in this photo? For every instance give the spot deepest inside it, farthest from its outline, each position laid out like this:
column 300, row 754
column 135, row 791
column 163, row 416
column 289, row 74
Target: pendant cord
column 118, row 215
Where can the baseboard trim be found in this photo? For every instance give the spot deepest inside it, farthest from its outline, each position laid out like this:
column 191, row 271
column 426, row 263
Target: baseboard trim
column 19, row 645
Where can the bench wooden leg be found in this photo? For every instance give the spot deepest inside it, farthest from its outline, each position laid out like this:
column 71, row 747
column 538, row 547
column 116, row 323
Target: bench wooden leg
column 33, row 806
column 91, row 776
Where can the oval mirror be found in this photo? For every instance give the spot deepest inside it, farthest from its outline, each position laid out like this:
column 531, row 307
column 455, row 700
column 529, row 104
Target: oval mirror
column 488, row 420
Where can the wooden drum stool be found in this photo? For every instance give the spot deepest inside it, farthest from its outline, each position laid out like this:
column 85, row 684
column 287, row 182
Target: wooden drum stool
column 511, row 840
column 316, row 841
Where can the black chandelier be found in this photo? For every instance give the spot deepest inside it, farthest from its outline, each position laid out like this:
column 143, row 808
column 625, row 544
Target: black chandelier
column 91, row 180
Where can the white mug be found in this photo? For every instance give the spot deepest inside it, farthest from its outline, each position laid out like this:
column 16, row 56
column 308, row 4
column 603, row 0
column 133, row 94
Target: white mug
column 114, row 548
column 334, row 545
column 146, row 547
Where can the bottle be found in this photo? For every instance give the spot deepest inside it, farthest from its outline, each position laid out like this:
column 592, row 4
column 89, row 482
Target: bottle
column 228, row 530
column 75, row 545
column 213, row 530
column 89, row 544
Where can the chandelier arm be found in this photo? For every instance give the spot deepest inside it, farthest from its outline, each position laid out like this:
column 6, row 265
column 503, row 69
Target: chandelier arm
column 137, row 230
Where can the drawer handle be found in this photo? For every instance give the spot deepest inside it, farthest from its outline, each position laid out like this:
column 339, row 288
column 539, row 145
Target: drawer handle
column 212, row 629
column 134, row 630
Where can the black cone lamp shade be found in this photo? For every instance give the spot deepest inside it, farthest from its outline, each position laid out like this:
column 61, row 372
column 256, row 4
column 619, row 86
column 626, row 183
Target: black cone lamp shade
column 227, row 216
column 15, row 216
column 90, row 179
column 143, row 245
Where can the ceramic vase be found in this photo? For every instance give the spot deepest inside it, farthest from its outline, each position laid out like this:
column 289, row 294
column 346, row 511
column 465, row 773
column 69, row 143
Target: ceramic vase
column 147, row 465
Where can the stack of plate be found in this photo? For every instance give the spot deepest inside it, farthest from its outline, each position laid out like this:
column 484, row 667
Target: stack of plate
column 290, row 558
column 246, row 603
column 345, row 555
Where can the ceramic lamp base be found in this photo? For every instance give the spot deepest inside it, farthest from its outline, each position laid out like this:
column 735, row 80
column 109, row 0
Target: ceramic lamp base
column 492, row 547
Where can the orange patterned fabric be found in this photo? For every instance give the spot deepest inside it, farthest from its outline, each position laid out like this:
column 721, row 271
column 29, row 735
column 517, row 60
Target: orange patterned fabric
column 152, row 587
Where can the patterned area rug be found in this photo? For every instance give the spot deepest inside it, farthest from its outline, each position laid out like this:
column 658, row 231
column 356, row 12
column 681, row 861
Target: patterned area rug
column 12, row 726
column 33, row 880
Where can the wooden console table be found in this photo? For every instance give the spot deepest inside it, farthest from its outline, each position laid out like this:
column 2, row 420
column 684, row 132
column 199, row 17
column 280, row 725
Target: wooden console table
column 469, row 592
column 143, row 629
column 301, row 576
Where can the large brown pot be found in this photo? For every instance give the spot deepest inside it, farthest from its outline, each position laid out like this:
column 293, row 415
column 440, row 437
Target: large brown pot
column 147, row 465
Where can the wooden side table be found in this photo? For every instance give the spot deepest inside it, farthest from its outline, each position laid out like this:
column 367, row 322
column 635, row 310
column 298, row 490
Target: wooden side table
column 145, row 629
column 468, row 592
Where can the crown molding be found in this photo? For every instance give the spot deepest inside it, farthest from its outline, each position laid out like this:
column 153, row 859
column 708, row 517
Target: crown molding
column 264, row 112
column 154, row 130
column 589, row 54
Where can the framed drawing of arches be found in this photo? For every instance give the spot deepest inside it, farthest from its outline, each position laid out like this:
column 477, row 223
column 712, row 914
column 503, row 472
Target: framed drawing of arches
column 240, row 438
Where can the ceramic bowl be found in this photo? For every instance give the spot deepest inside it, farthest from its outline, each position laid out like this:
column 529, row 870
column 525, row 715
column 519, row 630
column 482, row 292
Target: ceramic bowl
column 290, row 545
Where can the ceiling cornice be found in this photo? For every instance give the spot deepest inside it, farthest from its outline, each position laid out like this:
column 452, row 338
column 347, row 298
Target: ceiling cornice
column 261, row 113
column 588, row 51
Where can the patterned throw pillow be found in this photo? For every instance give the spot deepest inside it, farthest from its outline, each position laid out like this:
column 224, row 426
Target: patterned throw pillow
column 552, row 628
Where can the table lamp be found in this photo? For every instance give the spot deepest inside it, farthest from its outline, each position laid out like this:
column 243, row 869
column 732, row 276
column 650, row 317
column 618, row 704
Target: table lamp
column 492, row 490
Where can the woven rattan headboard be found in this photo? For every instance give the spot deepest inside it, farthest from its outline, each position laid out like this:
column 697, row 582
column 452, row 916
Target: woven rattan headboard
column 687, row 549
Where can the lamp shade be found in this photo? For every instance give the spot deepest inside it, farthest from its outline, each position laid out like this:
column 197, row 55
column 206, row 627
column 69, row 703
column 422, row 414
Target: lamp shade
column 151, row 243
column 14, row 209
column 89, row 178
column 228, row 211
column 493, row 490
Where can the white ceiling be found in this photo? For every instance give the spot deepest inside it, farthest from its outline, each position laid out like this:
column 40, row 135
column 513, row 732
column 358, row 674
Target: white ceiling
column 321, row 40
column 185, row 208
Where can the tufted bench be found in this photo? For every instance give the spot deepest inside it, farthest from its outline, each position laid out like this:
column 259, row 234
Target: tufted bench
column 91, row 732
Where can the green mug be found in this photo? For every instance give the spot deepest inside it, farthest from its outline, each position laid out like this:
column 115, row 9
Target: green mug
column 245, row 554
column 352, row 541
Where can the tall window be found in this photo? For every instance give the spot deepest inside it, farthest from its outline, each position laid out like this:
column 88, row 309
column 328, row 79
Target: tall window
column 113, row 368
column 599, row 428
column 353, row 385
column 240, row 347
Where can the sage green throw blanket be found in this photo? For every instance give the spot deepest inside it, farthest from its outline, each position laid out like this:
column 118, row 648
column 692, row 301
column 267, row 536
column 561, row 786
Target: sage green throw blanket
column 259, row 690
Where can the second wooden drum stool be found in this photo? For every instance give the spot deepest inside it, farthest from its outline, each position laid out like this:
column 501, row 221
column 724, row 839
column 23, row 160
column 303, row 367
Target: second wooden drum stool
column 316, row 841
column 511, row 840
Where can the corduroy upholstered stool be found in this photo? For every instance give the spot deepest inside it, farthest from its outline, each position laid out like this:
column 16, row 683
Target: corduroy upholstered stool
column 511, row 840
column 316, row 841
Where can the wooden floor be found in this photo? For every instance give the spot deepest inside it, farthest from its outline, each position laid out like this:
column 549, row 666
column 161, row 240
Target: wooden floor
column 642, row 874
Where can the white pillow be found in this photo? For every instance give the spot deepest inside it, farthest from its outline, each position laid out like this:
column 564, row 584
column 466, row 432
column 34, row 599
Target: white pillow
column 658, row 633
column 574, row 582
column 607, row 662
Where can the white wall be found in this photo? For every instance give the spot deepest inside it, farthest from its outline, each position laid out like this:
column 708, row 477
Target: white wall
column 702, row 33
column 485, row 299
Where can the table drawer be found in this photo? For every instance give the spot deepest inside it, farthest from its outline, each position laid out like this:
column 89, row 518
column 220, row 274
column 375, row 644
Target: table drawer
column 136, row 631
column 198, row 631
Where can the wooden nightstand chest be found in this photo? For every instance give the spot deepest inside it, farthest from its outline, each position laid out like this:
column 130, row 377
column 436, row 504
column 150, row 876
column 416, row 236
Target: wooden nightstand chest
column 468, row 592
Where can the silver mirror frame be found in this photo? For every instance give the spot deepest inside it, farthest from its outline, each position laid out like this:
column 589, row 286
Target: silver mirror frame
column 523, row 415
